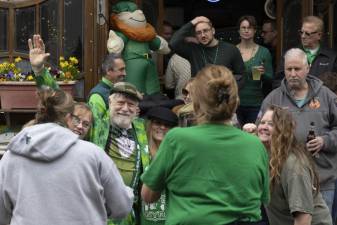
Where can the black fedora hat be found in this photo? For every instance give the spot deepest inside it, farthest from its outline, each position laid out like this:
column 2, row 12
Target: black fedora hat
column 162, row 114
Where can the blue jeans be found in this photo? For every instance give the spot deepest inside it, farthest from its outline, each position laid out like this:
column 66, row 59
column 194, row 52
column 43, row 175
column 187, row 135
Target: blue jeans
column 328, row 197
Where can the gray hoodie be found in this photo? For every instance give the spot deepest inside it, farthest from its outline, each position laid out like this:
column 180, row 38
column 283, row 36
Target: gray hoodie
column 50, row 176
column 324, row 115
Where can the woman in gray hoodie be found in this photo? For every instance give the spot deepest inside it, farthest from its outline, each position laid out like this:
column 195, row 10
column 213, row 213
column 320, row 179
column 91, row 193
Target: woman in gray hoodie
column 49, row 176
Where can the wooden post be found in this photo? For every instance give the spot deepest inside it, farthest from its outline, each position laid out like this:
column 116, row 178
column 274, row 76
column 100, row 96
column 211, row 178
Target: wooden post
column 89, row 45
column 279, row 25
column 160, row 60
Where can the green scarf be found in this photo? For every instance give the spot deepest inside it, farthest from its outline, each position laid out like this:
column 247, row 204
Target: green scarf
column 311, row 55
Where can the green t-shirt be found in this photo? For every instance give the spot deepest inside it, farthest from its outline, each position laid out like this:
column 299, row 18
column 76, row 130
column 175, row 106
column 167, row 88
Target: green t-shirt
column 212, row 174
column 251, row 94
column 295, row 194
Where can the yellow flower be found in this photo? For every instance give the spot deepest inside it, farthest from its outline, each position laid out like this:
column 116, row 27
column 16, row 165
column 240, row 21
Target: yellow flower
column 73, row 60
column 17, row 59
column 61, row 58
column 62, row 65
column 30, row 77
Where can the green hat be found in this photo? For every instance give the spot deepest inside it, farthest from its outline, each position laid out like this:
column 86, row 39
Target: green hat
column 124, row 6
column 128, row 89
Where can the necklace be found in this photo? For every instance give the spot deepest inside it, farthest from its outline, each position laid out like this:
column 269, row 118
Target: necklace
column 215, row 56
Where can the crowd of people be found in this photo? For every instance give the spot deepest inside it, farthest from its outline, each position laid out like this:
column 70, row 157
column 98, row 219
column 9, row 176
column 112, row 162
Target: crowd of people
column 235, row 152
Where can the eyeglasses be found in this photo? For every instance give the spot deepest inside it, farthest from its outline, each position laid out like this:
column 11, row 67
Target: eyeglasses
column 308, row 34
column 204, row 31
column 77, row 121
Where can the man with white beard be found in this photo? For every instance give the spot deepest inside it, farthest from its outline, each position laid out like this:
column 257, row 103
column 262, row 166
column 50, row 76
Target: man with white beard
column 126, row 141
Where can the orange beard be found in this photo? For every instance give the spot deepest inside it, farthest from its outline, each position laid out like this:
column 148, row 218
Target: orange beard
column 143, row 34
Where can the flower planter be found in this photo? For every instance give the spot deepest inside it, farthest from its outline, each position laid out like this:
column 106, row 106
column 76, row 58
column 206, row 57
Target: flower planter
column 22, row 95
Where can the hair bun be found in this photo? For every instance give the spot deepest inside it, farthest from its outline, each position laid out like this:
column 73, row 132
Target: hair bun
column 222, row 95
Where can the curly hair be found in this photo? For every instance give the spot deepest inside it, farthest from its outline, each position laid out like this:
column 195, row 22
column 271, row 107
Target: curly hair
column 214, row 94
column 283, row 143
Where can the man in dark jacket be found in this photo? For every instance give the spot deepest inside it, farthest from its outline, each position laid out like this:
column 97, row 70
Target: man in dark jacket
column 320, row 59
column 207, row 50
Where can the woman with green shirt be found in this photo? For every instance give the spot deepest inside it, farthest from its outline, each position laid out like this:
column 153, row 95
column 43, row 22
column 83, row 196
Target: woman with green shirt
column 159, row 121
column 258, row 69
column 212, row 173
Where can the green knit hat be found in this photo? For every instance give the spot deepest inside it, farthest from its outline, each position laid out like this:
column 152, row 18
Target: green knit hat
column 124, row 6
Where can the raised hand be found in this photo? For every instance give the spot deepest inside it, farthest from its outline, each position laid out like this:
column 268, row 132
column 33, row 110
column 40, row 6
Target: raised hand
column 199, row 19
column 37, row 54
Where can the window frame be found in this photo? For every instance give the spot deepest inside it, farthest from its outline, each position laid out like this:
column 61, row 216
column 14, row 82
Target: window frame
column 89, row 68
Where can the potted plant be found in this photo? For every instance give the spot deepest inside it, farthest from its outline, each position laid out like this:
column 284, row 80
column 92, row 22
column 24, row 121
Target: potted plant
column 18, row 89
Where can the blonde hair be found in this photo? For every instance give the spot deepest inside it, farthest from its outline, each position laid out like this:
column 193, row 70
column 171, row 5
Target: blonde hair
column 214, row 94
column 149, row 134
column 315, row 20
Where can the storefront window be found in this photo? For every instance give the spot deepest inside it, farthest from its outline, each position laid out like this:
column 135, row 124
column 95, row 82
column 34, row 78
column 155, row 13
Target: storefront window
column 49, row 29
column 3, row 29
column 24, row 27
column 73, row 30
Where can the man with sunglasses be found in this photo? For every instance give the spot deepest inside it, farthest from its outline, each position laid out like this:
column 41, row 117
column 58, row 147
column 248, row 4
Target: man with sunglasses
column 320, row 59
column 208, row 49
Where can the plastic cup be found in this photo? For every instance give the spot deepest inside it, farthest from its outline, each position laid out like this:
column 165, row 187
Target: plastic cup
column 256, row 73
